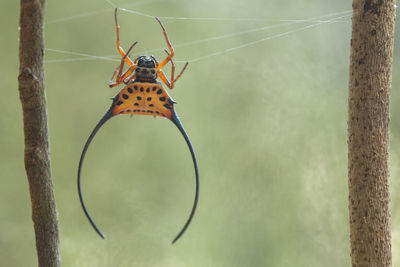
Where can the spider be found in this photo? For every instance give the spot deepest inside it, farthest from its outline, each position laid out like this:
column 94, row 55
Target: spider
column 143, row 68
column 142, row 94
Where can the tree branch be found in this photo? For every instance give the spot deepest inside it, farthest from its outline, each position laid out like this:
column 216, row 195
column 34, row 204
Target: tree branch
column 368, row 131
column 37, row 159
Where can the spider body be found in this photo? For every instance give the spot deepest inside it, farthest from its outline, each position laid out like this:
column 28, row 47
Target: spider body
column 142, row 94
column 143, row 98
column 146, row 69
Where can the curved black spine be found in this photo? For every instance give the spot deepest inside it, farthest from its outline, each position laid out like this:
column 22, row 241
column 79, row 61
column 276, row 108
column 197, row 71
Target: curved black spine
column 103, row 120
column 177, row 122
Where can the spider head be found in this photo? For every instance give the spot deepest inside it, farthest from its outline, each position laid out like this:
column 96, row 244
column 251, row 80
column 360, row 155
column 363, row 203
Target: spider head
column 146, row 68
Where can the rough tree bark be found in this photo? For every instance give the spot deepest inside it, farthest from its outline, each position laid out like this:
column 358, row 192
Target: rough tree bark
column 368, row 131
column 37, row 159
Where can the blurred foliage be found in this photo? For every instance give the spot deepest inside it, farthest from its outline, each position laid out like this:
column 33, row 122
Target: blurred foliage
column 268, row 123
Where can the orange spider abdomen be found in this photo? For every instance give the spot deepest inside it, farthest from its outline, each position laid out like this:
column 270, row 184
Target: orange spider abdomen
column 144, row 99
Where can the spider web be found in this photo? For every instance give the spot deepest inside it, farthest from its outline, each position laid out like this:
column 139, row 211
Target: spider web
column 257, row 30
column 280, row 28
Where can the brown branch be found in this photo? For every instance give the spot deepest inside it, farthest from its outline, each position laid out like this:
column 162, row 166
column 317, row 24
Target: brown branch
column 368, row 131
column 37, row 159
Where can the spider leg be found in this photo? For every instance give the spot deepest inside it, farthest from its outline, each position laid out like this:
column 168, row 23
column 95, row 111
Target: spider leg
column 119, row 48
column 164, row 78
column 122, row 76
column 172, row 71
column 171, row 83
column 171, row 49
column 180, row 74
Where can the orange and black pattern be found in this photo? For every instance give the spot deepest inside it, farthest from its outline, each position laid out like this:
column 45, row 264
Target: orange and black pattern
column 144, row 99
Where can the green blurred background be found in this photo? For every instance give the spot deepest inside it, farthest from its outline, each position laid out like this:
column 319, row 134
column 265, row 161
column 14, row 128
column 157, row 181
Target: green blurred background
column 268, row 123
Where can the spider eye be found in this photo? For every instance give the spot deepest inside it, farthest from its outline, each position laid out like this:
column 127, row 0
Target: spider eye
column 150, row 64
column 141, row 62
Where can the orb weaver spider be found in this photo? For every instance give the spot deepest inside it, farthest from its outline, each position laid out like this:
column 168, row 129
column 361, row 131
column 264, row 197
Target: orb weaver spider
column 142, row 94
column 146, row 67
